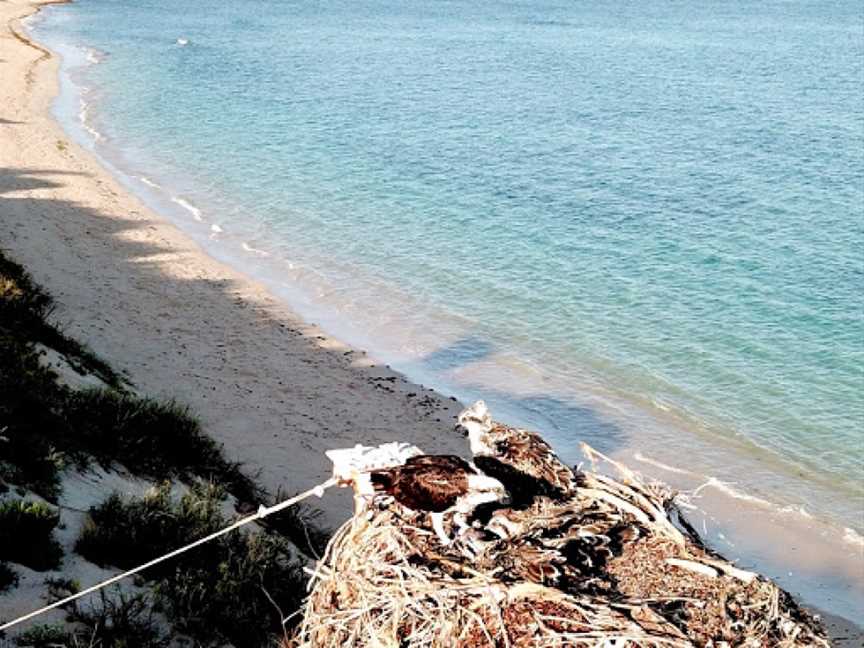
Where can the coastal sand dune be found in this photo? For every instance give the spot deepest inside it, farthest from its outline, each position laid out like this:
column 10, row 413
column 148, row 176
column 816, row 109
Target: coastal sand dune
column 275, row 390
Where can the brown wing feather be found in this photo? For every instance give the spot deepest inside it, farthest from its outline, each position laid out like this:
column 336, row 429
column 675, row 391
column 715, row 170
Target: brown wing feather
column 529, row 453
column 423, row 486
column 451, row 462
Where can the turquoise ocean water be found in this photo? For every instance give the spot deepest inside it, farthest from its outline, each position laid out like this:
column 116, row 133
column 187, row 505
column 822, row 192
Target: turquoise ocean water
column 639, row 224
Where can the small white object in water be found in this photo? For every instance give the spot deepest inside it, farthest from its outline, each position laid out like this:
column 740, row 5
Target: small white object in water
column 182, row 41
column 147, row 181
column 192, row 209
column 248, row 248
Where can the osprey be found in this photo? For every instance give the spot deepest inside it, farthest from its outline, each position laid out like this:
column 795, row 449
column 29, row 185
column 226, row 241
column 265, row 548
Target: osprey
column 525, row 560
column 534, row 519
column 438, row 484
column 520, row 459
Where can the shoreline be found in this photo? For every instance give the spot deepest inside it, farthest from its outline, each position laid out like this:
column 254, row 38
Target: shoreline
column 187, row 329
column 188, row 307
column 231, row 216
column 457, row 361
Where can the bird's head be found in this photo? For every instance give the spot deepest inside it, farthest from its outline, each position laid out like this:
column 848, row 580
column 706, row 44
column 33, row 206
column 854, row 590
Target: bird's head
column 475, row 422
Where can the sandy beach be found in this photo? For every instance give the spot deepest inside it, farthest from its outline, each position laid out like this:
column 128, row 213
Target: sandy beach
column 275, row 390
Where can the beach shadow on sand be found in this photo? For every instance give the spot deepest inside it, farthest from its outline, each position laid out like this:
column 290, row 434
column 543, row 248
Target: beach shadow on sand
column 265, row 384
column 235, row 360
column 12, row 180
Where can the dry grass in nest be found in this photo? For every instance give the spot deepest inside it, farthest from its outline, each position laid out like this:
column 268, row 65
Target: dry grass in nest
column 386, row 582
column 376, row 587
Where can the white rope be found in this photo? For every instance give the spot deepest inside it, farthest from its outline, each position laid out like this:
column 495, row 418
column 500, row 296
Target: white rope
column 263, row 511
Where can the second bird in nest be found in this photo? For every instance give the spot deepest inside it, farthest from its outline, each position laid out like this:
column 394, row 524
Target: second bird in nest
column 520, row 459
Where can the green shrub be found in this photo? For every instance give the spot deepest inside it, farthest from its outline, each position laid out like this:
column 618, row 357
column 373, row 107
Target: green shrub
column 59, row 588
column 214, row 593
column 159, row 440
column 21, row 300
column 24, row 311
column 8, row 577
column 27, row 534
column 47, row 426
column 127, row 532
column 45, row 636
column 34, row 433
column 221, row 595
column 120, row 621
column 301, row 525
column 30, row 406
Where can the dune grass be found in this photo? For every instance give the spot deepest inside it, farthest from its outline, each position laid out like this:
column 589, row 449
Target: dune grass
column 227, row 591
column 219, row 593
column 26, row 307
column 124, row 532
column 8, row 577
column 27, row 534
column 301, row 524
column 160, row 440
column 45, row 635
column 120, row 619
column 30, row 413
column 45, row 426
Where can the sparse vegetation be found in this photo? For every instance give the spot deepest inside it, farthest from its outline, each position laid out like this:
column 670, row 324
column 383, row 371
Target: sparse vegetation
column 224, row 595
column 239, row 573
column 120, row 621
column 226, row 591
column 47, row 425
column 30, row 406
column 59, row 588
column 157, row 440
column 301, row 525
column 27, row 534
column 45, row 636
column 127, row 532
column 25, row 311
column 34, row 431
column 8, row 578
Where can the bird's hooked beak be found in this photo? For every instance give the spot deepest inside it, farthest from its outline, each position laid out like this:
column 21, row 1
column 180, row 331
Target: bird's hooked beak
column 461, row 429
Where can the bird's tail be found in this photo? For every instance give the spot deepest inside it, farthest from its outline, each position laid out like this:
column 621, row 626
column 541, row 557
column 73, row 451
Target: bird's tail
column 381, row 480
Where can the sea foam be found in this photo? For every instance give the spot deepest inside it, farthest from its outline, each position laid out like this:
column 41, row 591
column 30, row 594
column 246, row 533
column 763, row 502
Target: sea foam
column 189, row 207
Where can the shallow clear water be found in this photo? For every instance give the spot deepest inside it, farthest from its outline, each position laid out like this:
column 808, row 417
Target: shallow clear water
column 638, row 224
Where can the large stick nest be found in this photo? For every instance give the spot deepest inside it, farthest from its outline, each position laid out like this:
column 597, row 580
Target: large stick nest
column 616, row 567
